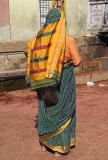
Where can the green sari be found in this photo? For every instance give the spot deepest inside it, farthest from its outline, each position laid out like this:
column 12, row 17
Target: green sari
column 57, row 124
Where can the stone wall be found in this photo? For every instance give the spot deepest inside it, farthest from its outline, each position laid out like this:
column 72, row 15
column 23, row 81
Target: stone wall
column 93, row 53
column 12, row 59
column 94, row 56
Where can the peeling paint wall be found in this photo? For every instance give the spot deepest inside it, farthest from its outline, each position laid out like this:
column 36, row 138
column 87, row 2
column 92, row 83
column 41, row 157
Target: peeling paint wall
column 4, row 20
column 76, row 16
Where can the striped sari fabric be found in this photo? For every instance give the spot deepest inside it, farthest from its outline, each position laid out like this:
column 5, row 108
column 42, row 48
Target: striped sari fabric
column 57, row 124
column 46, row 52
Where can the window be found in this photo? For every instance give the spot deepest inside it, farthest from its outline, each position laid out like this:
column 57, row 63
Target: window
column 45, row 6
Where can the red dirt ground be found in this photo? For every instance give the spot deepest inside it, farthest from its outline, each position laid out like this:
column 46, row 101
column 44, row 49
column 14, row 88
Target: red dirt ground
column 19, row 137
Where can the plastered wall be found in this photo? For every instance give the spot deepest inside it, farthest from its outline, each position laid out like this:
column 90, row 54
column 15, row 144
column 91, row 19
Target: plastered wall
column 4, row 20
column 76, row 17
column 20, row 19
column 24, row 18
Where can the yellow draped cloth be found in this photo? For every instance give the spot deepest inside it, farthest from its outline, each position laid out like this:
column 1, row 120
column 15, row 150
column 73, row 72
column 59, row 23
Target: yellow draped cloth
column 46, row 54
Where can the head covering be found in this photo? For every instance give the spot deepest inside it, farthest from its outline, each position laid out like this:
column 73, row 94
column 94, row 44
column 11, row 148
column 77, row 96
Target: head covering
column 52, row 16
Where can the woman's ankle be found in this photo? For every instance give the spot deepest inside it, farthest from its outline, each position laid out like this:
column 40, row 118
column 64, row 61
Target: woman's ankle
column 57, row 154
column 43, row 148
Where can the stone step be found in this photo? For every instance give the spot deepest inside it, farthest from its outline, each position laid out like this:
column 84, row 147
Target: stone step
column 93, row 76
column 85, row 66
column 10, row 62
column 12, row 46
column 12, row 74
column 81, row 78
column 11, row 81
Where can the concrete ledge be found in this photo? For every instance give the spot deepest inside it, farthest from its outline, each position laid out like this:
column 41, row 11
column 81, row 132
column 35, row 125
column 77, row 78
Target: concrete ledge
column 94, row 76
column 12, row 46
column 81, row 78
column 12, row 73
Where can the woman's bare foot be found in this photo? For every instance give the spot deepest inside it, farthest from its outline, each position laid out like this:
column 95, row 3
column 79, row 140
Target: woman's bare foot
column 43, row 148
column 56, row 154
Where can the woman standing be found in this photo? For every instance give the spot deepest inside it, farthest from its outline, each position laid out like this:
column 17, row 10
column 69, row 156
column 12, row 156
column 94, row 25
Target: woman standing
column 51, row 59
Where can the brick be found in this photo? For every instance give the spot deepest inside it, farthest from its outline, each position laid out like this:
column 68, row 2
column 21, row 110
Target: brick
column 90, row 65
column 86, row 56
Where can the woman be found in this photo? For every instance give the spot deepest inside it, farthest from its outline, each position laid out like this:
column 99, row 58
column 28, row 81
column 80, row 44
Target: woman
column 57, row 123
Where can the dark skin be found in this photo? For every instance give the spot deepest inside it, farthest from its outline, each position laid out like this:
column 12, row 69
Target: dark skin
column 61, row 5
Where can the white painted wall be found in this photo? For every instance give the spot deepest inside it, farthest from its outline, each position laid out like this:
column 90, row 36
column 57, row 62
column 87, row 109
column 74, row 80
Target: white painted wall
column 76, row 17
column 24, row 18
column 5, row 33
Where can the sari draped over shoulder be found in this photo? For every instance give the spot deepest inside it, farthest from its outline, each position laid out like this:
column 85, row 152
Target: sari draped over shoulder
column 46, row 52
column 45, row 67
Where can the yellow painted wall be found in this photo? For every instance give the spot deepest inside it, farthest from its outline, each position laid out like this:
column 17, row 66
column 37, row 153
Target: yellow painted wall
column 76, row 17
column 24, row 18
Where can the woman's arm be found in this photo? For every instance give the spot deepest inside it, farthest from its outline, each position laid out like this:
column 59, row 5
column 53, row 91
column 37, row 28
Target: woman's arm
column 74, row 54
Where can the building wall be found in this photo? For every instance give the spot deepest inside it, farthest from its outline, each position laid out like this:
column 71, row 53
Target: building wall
column 24, row 18
column 76, row 17
column 19, row 19
column 4, row 20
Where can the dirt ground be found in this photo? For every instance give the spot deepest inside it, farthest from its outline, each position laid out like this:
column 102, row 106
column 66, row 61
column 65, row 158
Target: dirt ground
column 19, row 137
